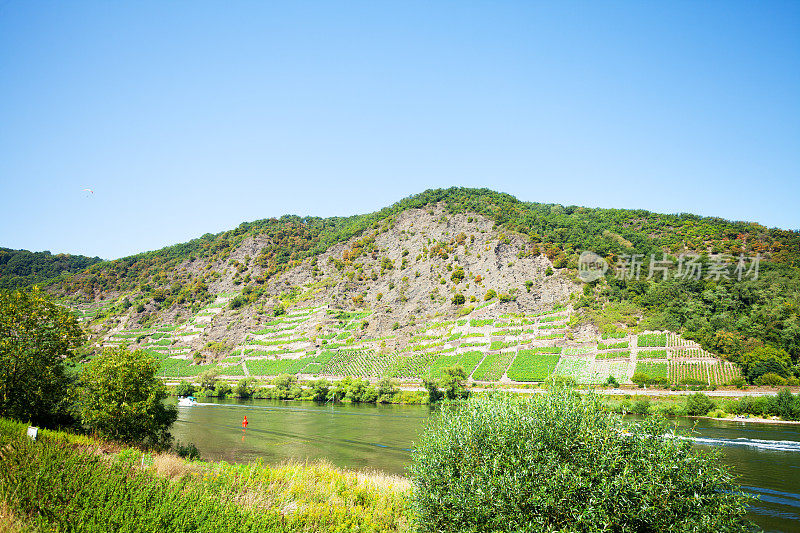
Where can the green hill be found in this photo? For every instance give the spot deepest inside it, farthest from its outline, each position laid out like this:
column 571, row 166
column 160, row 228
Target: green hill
column 363, row 293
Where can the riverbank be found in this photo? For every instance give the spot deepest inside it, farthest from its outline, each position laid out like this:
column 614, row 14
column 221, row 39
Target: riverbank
column 750, row 420
column 63, row 480
column 767, row 405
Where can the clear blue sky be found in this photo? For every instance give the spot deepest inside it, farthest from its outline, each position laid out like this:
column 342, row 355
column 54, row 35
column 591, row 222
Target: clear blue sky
column 188, row 117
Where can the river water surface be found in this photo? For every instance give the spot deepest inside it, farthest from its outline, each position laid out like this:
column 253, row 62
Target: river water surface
column 379, row 437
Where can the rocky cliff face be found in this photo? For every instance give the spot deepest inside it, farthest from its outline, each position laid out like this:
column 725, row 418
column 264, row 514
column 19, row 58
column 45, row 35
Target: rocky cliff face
column 406, row 271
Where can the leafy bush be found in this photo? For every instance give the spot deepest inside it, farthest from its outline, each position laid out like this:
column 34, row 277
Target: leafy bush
column 209, row 378
column 245, row 388
column 641, row 406
column 770, row 379
column 454, row 382
column 557, row 381
column 434, row 394
column 38, row 340
column 785, row 405
column 557, row 462
column 223, row 389
column 187, row 451
column 765, row 360
column 121, row 397
column 698, row 404
column 184, row 388
column 319, row 390
column 238, row 302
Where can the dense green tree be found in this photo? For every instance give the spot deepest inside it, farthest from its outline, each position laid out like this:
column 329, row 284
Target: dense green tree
column 21, row 268
column 121, row 398
column 286, row 387
column 245, row 388
column 184, row 388
column 765, row 360
column 434, row 393
column 37, row 341
column 320, row 389
column 386, row 389
column 698, row 404
column 559, row 462
column 454, row 382
column 209, row 378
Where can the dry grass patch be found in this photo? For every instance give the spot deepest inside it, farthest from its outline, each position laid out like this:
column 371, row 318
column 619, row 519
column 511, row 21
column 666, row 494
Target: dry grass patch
column 172, row 466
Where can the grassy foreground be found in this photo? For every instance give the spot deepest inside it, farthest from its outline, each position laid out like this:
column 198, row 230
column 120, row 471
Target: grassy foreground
column 74, row 483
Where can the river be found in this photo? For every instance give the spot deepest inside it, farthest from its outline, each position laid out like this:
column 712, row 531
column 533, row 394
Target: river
column 379, row 437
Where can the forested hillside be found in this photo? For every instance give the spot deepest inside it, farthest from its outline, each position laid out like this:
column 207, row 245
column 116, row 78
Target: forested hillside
column 21, row 268
column 443, row 253
column 552, row 229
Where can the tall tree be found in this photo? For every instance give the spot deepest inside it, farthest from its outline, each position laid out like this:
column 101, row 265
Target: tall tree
column 122, row 398
column 37, row 342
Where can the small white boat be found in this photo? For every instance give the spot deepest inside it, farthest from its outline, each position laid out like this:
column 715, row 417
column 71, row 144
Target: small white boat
column 187, row 402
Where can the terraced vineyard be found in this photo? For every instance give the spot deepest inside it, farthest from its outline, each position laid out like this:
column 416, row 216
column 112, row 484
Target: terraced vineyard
column 654, row 370
column 493, row 366
column 319, row 341
column 654, row 340
column 468, row 360
column 713, row 373
column 579, row 369
column 602, row 369
column 534, row 365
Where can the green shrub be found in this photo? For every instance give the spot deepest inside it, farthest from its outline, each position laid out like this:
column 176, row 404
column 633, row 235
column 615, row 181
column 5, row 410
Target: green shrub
column 237, row 302
column 738, row 382
column 434, row 394
column 770, row 379
column 785, row 405
column 698, row 404
column 222, row 389
column 641, row 406
column 557, row 381
column 184, row 388
column 187, row 451
column 245, row 388
column 319, row 389
column 558, row 462
column 209, row 378
column 121, row 398
column 454, row 382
